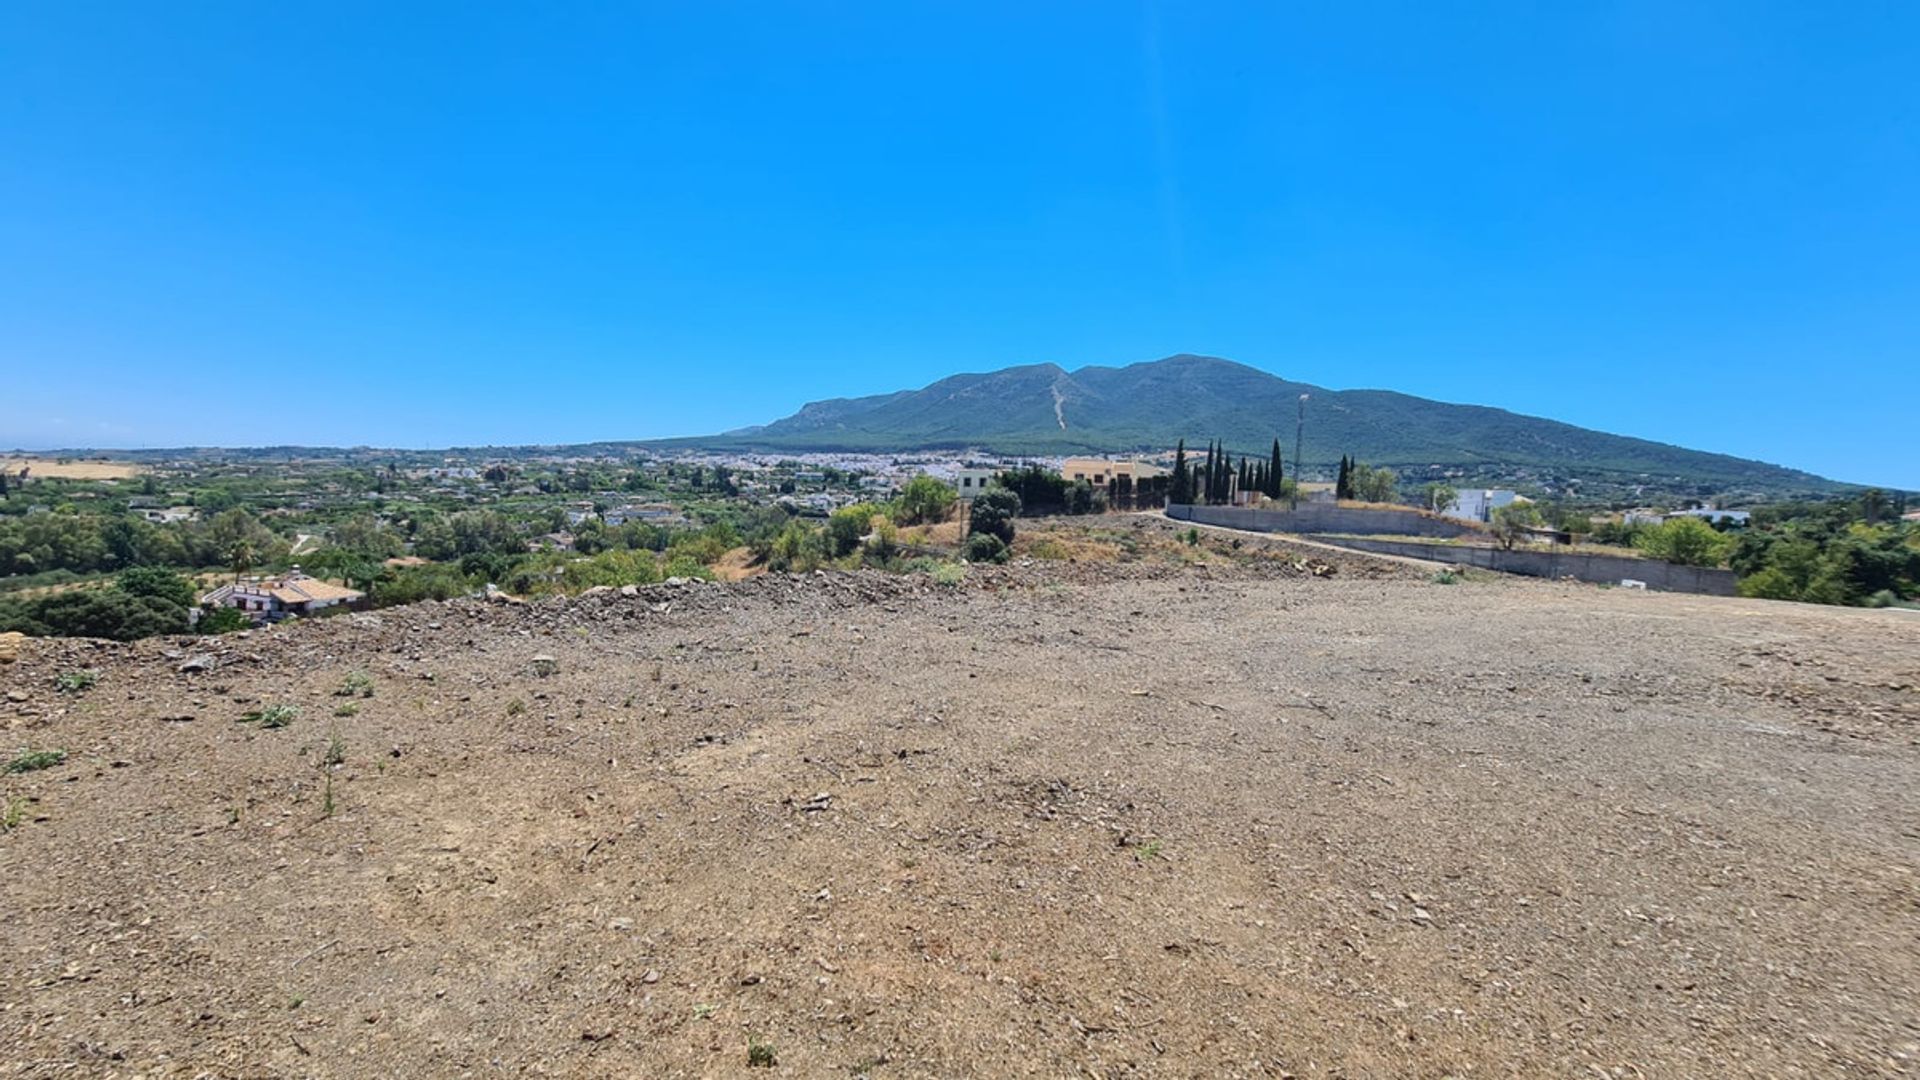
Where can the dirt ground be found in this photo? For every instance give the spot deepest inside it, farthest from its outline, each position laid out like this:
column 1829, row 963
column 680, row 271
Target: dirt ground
column 1183, row 813
column 54, row 468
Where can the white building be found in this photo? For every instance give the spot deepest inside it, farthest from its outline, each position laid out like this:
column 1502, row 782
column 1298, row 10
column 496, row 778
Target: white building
column 270, row 599
column 1714, row 517
column 1478, row 504
column 971, row 482
column 167, row 516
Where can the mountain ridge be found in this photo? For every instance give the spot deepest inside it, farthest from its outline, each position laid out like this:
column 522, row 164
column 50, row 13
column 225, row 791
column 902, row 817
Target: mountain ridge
column 1045, row 409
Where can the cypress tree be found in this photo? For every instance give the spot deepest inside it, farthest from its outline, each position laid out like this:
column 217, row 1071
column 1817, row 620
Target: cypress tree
column 1212, row 477
column 1272, row 486
column 1179, row 490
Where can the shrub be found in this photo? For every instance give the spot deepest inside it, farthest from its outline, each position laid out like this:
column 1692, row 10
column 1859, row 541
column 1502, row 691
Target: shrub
column 924, row 499
column 1512, row 521
column 157, row 582
column 222, row 620
column 1687, row 541
column 797, row 548
column 273, row 716
column 993, row 514
column 102, row 613
column 72, row 682
column 984, row 547
column 883, row 543
column 35, row 760
column 846, row 526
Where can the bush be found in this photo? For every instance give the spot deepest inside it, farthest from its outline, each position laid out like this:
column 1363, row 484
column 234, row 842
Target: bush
column 983, row 547
column 101, row 613
column 35, row 760
column 223, row 620
column 1512, row 521
column 1687, row 541
column 884, row 541
column 993, row 514
column 924, row 499
column 157, row 582
column 846, row 526
column 72, row 682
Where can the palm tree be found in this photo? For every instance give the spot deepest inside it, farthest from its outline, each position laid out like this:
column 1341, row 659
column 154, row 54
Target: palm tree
column 240, row 557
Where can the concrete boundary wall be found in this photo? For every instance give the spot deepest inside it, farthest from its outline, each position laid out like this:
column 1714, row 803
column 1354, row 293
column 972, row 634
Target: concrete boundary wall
column 1324, row 518
column 1607, row 569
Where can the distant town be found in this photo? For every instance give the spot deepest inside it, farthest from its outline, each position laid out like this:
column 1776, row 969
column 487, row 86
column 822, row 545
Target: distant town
column 91, row 545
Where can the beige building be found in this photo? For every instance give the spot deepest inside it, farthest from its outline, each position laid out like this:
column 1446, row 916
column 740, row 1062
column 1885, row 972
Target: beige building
column 1100, row 471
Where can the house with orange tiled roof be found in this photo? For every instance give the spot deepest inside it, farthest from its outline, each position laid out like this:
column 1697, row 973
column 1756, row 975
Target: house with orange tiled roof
column 270, row 599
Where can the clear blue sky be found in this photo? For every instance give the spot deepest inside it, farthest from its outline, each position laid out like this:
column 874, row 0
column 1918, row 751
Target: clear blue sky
column 423, row 225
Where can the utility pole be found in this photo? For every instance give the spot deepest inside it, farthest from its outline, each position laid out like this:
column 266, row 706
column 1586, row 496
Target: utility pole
column 1299, row 424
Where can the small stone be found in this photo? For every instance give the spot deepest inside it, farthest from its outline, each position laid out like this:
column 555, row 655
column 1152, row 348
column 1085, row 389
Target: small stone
column 196, row 662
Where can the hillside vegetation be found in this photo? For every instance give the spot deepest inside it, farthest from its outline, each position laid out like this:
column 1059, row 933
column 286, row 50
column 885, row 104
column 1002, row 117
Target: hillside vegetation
column 1045, row 409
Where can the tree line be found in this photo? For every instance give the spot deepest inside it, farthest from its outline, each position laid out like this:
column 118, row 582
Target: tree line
column 1215, row 479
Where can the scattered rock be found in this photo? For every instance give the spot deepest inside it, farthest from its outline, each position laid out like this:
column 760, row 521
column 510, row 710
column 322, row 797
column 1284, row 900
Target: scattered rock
column 196, row 663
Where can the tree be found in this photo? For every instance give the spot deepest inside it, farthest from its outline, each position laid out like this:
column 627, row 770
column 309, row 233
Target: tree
column 363, row 535
column 883, row 542
column 1873, row 504
column 1688, row 541
column 241, row 557
column 157, row 582
column 924, row 499
column 797, row 548
column 1438, row 496
column 1040, row 491
column 1343, row 483
column 105, row 613
column 1272, row 487
column 1368, row 484
column 993, row 514
column 846, row 526
column 1180, row 491
column 1511, row 522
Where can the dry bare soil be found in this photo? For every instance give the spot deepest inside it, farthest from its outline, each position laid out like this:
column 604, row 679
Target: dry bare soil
column 1075, row 818
column 73, row 469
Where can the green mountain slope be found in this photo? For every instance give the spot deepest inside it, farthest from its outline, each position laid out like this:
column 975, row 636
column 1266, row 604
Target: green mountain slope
column 1044, row 409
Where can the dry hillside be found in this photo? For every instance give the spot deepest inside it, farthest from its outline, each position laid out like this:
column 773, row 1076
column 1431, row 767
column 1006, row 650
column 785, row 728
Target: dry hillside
column 1155, row 811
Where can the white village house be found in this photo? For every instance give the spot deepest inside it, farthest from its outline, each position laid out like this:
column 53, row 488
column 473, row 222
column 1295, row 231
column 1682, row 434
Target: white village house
column 1478, row 504
column 270, row 599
